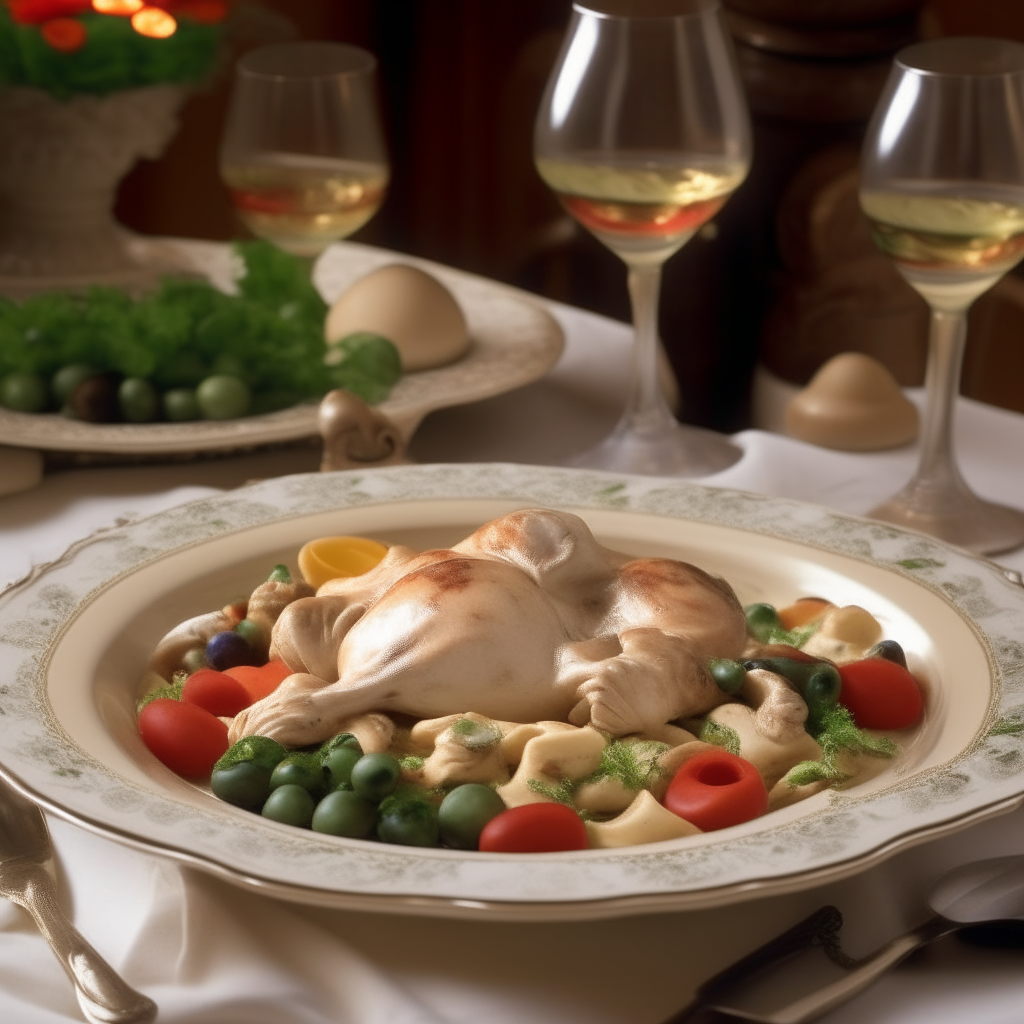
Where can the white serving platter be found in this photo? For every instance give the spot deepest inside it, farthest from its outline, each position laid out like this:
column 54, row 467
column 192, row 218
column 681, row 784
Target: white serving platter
column 513, row 341
column 76, row 635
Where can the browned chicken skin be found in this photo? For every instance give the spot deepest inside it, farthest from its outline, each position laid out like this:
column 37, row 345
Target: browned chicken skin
column 527, row 619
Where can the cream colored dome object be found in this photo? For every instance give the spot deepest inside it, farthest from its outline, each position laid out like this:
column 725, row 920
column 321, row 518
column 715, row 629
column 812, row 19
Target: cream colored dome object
column 409, row 307
column 853, row 403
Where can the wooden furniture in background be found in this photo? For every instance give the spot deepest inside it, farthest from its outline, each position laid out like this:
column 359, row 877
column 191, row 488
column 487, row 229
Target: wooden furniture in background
column 461, row 81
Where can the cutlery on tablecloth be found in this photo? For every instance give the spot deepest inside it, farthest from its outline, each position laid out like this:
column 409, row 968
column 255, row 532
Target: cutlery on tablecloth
column 25, row 847
column 988, row 890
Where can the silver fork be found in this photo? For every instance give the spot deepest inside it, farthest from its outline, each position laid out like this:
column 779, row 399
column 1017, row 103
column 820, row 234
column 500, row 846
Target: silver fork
column 25, row 847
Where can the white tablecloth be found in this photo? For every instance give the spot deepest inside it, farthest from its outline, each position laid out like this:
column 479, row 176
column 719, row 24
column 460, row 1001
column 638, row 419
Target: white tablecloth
column 209, row 953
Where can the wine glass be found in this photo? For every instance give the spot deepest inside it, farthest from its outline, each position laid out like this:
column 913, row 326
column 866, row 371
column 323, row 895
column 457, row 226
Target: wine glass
column 303, row 153
column 942, row 182
column 643, row 134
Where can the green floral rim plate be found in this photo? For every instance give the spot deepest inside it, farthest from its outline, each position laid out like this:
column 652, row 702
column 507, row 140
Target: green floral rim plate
column 76, row 634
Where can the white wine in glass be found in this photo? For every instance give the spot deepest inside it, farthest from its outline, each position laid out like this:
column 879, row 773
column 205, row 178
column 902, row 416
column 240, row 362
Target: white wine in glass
column 643, row 135
column 303, row 153
column 942, row 183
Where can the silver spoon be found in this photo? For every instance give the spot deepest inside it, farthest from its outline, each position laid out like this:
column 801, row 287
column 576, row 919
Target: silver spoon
column 25, row 847
column 988, row 890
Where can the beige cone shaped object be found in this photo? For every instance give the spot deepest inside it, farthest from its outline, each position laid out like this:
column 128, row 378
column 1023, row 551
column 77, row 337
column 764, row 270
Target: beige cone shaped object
column 852, row 403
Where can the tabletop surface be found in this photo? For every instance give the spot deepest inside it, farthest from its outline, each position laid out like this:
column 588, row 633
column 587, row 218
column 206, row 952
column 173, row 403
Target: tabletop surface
column 211, row 954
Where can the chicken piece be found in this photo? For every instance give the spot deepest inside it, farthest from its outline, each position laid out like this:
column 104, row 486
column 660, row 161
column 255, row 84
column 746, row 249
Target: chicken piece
column 527, row 619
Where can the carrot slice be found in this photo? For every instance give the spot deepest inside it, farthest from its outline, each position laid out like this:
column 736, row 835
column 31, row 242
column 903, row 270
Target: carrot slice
column 805, row 610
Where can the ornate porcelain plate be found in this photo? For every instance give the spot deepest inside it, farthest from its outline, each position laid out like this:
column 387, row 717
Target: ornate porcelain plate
column 514, row 340
column 75, row 637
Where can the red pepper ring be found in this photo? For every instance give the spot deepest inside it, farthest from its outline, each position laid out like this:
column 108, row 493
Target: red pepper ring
column 717, row 789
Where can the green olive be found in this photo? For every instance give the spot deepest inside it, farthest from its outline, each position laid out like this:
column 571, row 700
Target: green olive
column 464, row 812
column 223, row 397
column 291, row 805
column 375, row 776
column 138, row 400
column 245, row 784
column 300, row 769
column 728, row 674
column 822, row 686
column 253, row 634
column 890, row 650
column 24, row 392
column 180, row 405
column 344, row 813
column 338, row 765
column 407, row 822
column 67, row 378
column 762, row 621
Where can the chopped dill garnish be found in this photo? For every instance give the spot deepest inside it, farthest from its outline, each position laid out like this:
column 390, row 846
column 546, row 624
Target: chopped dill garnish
column 833, row 727
column 412, row 763
column 171, row 692
column 720, row 735
column 633, row 763
column 561, row 792
column 261, row 750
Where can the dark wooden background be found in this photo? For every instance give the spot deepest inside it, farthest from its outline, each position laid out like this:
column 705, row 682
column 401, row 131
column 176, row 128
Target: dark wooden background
column 460, row 82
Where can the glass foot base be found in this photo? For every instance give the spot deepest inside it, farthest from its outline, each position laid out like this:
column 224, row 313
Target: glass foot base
column 962, row 519
column 673, row 451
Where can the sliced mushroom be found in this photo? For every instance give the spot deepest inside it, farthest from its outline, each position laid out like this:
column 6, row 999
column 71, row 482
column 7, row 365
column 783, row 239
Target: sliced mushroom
column 780, row 710
column 191, row 633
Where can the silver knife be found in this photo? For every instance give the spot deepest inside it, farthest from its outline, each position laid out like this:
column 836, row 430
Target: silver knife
column 988, row 890
column 25, row 847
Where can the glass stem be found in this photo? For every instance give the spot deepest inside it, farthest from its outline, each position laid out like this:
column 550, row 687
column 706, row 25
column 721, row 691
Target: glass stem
column 646, row 412
column 937, row 470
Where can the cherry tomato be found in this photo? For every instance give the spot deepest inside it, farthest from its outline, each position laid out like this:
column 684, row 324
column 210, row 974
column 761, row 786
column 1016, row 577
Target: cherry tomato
column 717, row 789
column 880, row 694
column 216, row 692
column 534, row 828
column 185, row 737
column 261, row 680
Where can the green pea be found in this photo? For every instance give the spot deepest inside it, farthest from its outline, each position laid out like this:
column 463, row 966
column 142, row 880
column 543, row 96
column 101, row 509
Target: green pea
column 67, row 378
column 245, row 784
column 762, row 621
column 223, row 397
column 728, row 674
column 374, row 776
column 338, row 765
column 823, row 685
column 24, row 392
column 252, row 633
column 342, row 739
column 407, row 822
column 194, row 659
column 890, row 651
column 344, row 813
column 290, row 805
column 138, row 400
column 180, row 405
column 300, row 769
column 464, row 812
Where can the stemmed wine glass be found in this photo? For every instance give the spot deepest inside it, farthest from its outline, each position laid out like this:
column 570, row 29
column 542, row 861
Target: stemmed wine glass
column 942, row 182
column 643, row 134
column 303, row 153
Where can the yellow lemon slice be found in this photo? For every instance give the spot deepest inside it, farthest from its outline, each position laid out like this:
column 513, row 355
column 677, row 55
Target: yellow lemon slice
column 327, row 558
